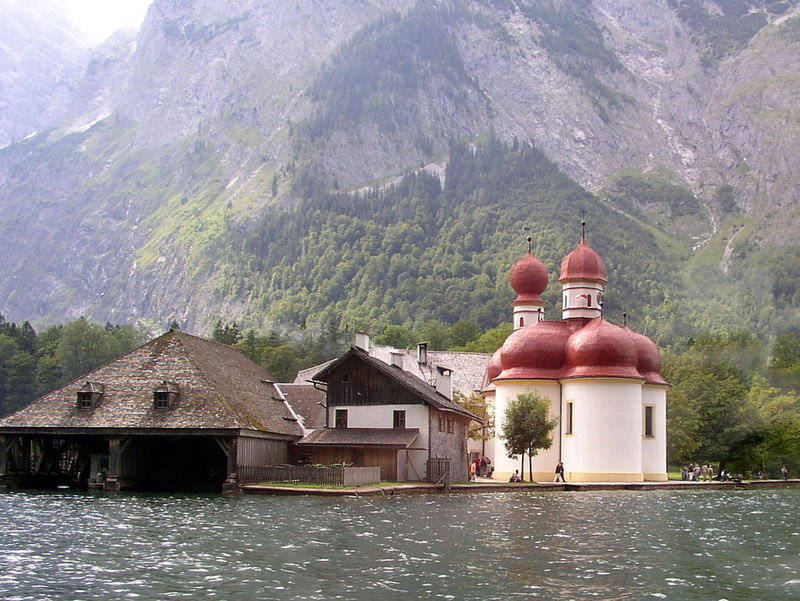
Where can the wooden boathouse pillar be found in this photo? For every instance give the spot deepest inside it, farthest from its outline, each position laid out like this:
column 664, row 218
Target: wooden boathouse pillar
column 230, row 446
column 116, row 448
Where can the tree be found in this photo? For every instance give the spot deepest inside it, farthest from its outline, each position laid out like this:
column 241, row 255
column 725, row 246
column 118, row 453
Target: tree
column 396, row 336
column 226, row 333
column 463, row 332
column 82, row 347
column 785, row 352
column 477, row 405
column 527, row 428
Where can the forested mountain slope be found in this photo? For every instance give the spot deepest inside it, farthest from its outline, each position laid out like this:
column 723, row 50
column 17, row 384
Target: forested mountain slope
column 296, row 162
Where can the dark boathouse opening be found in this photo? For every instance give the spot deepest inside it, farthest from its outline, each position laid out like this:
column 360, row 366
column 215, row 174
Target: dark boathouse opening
column 133, row 463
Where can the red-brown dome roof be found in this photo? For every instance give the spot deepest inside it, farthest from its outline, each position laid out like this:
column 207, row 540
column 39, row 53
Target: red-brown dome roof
column 537, row 351
column 601, row 349
column 529, row 278
column 649, row 364
column 493, row 370
column 583, row 264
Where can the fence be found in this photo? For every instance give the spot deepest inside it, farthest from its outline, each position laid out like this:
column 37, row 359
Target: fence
column 438, row 468
column 311, row 474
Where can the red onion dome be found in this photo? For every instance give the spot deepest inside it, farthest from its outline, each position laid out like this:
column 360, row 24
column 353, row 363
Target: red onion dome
column 583, row 264
column 602, row 349
column 649, row 365
column 529, row 278
column 493, row 370
column 535, row 352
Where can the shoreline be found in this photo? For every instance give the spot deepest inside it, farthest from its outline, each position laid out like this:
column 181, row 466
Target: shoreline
column 487, row 486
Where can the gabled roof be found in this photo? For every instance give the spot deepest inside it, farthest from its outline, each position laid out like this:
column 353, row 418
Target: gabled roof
column 218, row 388
column 395, row 438
column 308, row 403
column 468, row 368
column 426, row 392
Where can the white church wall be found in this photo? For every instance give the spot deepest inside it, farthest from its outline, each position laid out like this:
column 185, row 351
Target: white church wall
column 545, row 462
column 654, row 449
column 606, row 440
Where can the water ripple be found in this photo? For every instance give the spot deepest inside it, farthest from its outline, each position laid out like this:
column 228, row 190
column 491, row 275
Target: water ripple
column 604, row 545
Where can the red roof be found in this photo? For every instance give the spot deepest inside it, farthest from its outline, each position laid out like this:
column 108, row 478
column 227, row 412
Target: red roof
column 649, row 364
column 583, row 264
column 575, row 348
column 529, row 278
column 535, row 352
column 601, row 349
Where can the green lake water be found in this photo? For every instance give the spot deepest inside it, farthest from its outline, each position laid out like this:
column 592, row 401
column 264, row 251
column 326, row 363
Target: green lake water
column 704, row 545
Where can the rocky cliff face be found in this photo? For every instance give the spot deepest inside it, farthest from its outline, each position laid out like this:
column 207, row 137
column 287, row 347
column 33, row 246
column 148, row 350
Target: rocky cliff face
column 40, row 61
column 170, row 145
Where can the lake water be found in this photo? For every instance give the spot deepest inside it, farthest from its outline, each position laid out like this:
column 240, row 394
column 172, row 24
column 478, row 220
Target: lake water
column 705, row 545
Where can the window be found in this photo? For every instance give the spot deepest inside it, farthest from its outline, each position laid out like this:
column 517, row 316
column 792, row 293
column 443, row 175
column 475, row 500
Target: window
column 89, row 395
column 450, row 425
column 521, row 322
column 649, row 415
column 345, row 378
column 566, row 301
column 165, row 396
column 442, row 423
column 85, row 400
column 568, row 418
column 161, row 399
column 399, row 419
column 341, row 418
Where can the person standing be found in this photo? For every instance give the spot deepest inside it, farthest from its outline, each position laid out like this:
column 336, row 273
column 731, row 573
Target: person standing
column 784, row 473
column 559, row 473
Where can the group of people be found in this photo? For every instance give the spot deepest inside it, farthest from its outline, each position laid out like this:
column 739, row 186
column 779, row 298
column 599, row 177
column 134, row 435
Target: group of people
column 694, row 472
column 705, row 473
column 480, row 466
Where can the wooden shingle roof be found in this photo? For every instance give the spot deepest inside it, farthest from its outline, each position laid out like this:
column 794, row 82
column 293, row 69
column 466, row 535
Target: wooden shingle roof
column 218, row 388
column 468, row 369
column 426, row 392
column 308, row 403
column 396, row 438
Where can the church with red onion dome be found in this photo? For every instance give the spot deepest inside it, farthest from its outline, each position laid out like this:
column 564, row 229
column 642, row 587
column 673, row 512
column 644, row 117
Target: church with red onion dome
column 603, row 380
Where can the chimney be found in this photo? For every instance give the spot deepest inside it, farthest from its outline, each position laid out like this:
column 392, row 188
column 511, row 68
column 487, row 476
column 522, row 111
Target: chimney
column 397, row 359
column 362, row 341
column 422, row 353
column 444, row 383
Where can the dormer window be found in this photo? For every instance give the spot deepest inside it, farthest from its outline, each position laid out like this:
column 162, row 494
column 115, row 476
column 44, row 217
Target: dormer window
column 89, row 395
column 165, row 395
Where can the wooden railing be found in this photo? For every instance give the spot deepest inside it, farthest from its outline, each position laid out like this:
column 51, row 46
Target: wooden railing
column 311, row 474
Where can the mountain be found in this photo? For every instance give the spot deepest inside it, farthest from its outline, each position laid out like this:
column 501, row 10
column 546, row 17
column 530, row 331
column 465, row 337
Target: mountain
column 292, row 163
column 40, row 61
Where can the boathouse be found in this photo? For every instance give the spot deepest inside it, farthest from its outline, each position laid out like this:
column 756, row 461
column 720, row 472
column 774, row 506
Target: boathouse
column 178, row 413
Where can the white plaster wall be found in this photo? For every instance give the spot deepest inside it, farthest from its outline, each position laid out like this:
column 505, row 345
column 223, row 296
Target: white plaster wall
column 480, row 446
column 576, row 306
column 545, row 461
column 530, row 313
column 606, row 426
column 382, row 416
column 654, row 450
